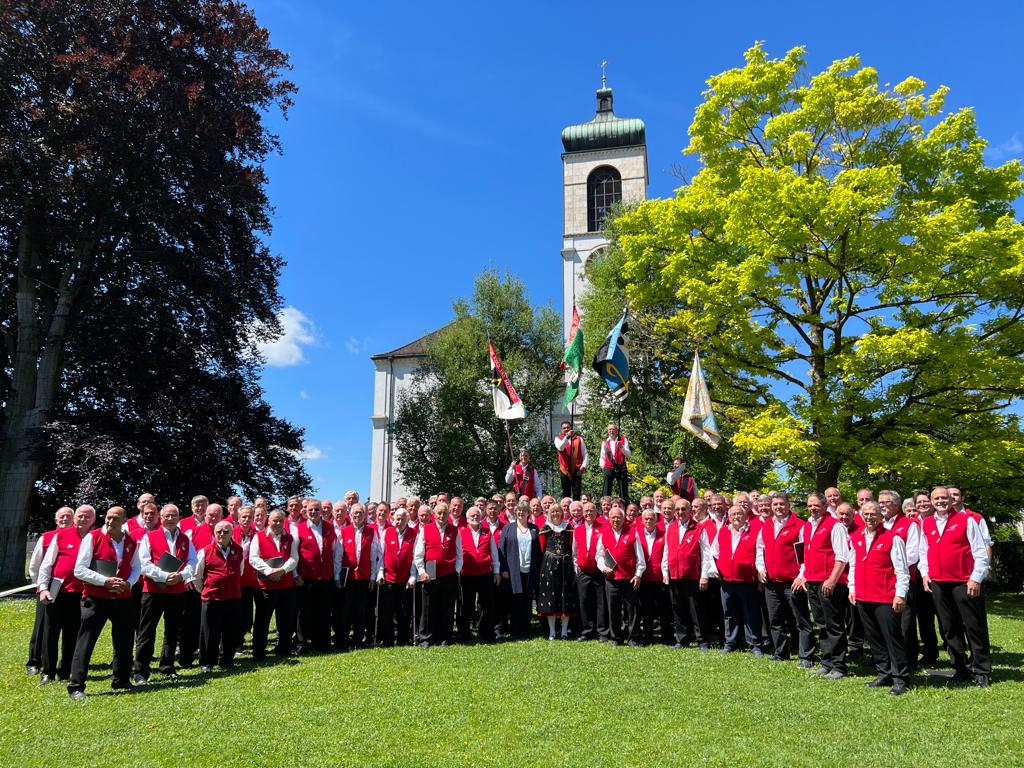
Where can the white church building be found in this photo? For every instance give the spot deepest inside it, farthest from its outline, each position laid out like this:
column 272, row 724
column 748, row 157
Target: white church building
column 604, row 160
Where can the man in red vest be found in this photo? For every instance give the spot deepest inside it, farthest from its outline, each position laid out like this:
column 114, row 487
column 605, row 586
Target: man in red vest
column 106, row 598
column 64, row 517
column 652, row 542
column 219, row 567
column 680, row 481
column 733, row 560
column 954, row 563
column 163, row 593
column 893, row 519
column 361, row 556
column 589, row 578
column 623, row 572
column 243, row 536
column 524, row 477
column 879, row 578
column 438, row 558
column 396, row 578
column 274, row 555
column 147, row 519
column 479, row 578
column 319, row 555
column 778, row 567
column 687, row 548
column 572, row 460
column 200, row 523
column 614, row 452
column 823, row 578
column 62, row 616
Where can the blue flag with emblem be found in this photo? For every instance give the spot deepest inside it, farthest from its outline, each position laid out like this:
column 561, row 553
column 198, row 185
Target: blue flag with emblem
column 612, row 359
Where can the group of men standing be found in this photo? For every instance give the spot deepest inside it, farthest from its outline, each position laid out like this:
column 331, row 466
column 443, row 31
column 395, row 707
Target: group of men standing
column 744, row 574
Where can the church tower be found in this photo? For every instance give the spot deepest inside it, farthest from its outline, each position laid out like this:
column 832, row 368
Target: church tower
column 605, row 161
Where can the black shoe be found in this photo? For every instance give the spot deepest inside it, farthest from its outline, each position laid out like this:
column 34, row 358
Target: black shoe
column 676, row 646
column 444, row 643
column 45, row 680
column 704, row 648
column 582, row 639
column 930, row 659
column 186, row 663
column 757, row 652
column 424, row 645
column 776, row 657
column 961, row 677
column 981, row 681
column 31, row 669
column 899, row 688
column 120, row 686
column 835, row 674
column 76, row 695
column 879, row 682
column 633, row 644
column 805, row 664
column 139, row 680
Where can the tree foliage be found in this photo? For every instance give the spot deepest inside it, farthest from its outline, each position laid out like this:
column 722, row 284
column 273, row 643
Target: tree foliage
column 851, row 268
column 447, row 435
column 135, row 283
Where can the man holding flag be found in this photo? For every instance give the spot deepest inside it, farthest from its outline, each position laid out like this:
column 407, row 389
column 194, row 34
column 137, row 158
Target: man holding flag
column 572, row 460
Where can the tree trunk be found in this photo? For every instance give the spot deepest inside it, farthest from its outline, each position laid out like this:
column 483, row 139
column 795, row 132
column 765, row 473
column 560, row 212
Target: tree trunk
column 827, row 475
column 20, row 472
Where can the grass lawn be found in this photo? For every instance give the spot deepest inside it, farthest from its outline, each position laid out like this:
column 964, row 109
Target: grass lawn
column 533, row 703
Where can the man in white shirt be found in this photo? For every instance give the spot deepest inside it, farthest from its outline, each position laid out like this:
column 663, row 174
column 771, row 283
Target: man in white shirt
column 63, row 519
column 572, row 460
column 622, row 572
column 614, row 453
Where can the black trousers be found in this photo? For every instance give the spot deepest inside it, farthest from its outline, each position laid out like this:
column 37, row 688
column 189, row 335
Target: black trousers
column 337, row 599
column 520, row 608
column 246, row 607
column 35, row 643
column 96, row 612
column 394, row 613
column 477, row 607
column 217, row 632
column 960, row 616
column 924, row 611
column 710, row 603
column 137, row 600
column 908, row 626
column 155, row 606
column 830, row 616
column 191, row 617
column 650, row 603
column 884, row 636
column 61, row 620
column 593, row 613
column 855, row 630
column 741, row 609
column 572, row 487
column 623, row 616
column 280, row 604
column 616, row 476
column 766, row 624
column 688, row 612
column 314, row 597
column 354, row 628
column 788, row 614
column 438, row 609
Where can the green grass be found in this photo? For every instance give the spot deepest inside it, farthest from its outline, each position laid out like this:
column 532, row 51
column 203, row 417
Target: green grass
column 533, row 703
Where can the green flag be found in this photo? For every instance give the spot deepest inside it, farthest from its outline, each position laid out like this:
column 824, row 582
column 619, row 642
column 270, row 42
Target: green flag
column 572, row 360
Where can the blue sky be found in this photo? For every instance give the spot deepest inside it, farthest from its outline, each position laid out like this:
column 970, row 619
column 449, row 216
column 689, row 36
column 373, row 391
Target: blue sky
column 424, row 146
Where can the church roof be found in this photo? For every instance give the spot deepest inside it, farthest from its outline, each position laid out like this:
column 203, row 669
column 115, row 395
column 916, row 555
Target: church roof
column 605, row 130
column 417, row 348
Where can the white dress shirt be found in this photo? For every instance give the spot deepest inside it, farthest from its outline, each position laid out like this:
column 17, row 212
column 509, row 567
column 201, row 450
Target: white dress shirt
column 623, row 444
column 974, row 537
column 260, row 565
column 913, row 539
column 149, row 569
column 85, row 574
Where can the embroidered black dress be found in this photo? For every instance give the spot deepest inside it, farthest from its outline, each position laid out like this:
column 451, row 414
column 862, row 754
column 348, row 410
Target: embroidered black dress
column 557, row 595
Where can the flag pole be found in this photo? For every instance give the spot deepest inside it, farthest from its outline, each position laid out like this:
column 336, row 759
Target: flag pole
column 508, row 434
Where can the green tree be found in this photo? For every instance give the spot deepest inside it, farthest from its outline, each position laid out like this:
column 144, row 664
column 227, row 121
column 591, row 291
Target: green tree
column 852, row 270
column 135, row 283
column 447, row 434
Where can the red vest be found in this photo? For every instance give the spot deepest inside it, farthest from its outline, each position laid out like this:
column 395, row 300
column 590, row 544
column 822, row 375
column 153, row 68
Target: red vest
column 684, row 556
column 819, row 557
column 570, row 458
column 949, row 553
column 267, row 550
column 249, row 580
column 780, row 553
column 189, row 523
column 221, row 577
column 738, row 565
column 476, row 558
column 622, row 551
column 652, row 558
column 316, row 563
column 135, row 529
column 68, row 542
column 202, row 536
column 685, row 486
column 586, row 559
column 495, row 530
column 874, row 575
column 157, row 546
column 522, row 481
column 103, row 549
column 613, row 455
column 398, row 554
column 902, row 527
column 440, row 551
column 348, row 545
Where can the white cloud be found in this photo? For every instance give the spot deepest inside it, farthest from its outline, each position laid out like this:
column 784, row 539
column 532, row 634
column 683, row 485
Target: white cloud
column 303, row 394
column 1012, row 148
column 355, row 346
column 298, row 331
column 310, row 453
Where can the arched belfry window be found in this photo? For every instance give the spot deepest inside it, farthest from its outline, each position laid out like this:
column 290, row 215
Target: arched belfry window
column 604, row 189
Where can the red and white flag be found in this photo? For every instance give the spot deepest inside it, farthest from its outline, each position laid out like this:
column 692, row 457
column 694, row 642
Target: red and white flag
column 507, row 404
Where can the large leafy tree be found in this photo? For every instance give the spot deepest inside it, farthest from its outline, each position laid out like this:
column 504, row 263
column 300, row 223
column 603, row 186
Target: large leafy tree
column 135, row 283
column 447, row 434
column 852, row 269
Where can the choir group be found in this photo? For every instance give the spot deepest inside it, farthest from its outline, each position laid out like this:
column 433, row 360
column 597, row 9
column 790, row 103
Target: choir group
column 742, row 574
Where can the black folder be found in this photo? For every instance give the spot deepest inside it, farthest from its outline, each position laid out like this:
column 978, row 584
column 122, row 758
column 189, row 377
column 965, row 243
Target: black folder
column 609, row 559
column 106, row 568
column 168, row 563
column 343, row 576
column 798, row 549
column 55, row 585
column 274, row 562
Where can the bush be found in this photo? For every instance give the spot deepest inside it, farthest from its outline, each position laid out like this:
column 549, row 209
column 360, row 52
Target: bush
column 1007, row 572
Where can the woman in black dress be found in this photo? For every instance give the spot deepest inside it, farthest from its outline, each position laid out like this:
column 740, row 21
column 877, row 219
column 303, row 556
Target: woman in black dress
column 557, row 595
